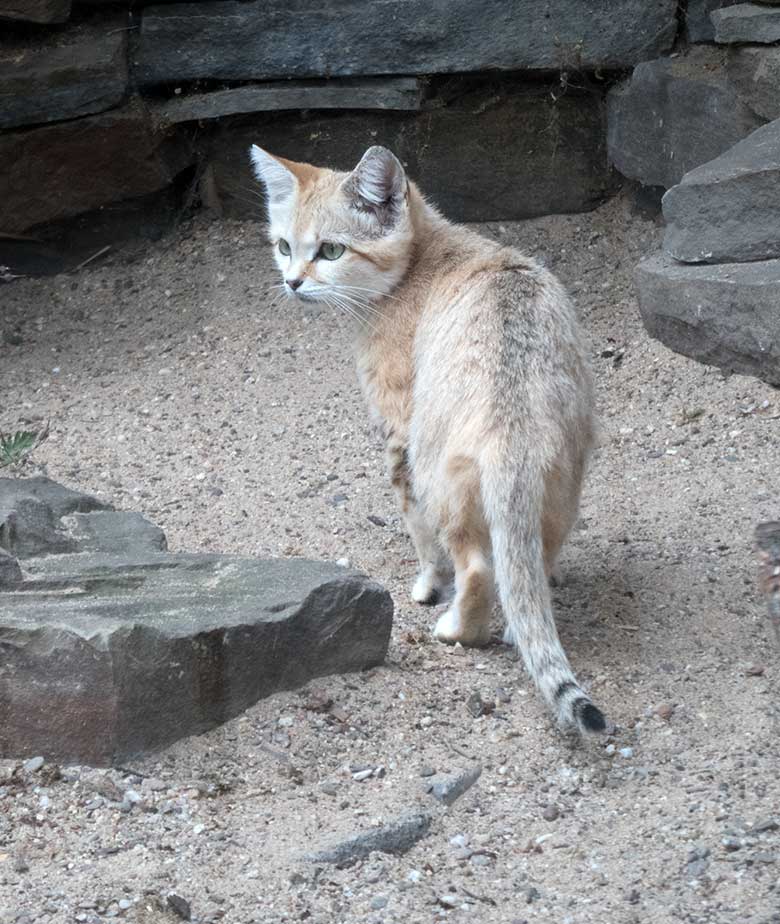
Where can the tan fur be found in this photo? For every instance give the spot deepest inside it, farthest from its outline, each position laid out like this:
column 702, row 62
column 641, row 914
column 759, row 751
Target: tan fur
column 471, row 361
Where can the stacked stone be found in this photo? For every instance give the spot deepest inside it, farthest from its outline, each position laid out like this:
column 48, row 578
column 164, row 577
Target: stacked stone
column 104, row 102
column 713, row 292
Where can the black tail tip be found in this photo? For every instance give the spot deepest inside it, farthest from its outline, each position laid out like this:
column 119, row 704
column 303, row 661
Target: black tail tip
column 591, row 718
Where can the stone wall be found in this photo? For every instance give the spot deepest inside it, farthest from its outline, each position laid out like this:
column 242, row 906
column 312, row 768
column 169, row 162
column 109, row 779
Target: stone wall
column 102, row 102
column 501, row 108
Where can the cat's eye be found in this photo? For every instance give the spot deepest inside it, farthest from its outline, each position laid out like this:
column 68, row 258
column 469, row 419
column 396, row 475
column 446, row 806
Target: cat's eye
column 284, row 247
column 330, row 251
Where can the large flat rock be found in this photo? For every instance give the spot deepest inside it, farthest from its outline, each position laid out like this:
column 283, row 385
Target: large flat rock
column 117, row 647
column 229, row 40
column 480, row 157
column 70, row 167
column 402, row 93
column 751, row 23
column 754, row 72
column 725, row 315
column 674, row 114
column 64, row 74
column 729, row 209
column 37, row 11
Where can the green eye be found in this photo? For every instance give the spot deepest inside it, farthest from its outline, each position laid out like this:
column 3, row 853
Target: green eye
column 331, row 251
column 284, row 247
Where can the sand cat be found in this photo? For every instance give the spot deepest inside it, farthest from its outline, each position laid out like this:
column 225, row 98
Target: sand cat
column 470, row 358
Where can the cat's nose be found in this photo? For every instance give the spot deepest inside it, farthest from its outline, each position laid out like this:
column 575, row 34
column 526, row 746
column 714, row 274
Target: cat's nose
column 294, row 283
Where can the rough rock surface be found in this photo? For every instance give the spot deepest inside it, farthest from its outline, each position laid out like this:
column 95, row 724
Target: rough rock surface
column 450, row 788
column 480, row 158
column 754, row 71
column 111, row 646
column 238, row 41
column 394, row 837
column 63, row 76
column 674, row 114
column 698, row 24
column 370, row 93
column 729, row 209
column 747, row 23
column 39, row 11
column 725, row 315
column 70, row 167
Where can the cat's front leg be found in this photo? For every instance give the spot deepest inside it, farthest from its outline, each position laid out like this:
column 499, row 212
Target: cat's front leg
column 435, row 567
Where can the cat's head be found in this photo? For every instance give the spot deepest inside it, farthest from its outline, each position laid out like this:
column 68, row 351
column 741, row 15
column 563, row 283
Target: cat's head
column 343, row 239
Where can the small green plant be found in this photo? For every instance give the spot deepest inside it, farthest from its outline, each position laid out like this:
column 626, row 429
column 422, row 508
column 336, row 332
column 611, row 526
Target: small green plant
column 16, row 447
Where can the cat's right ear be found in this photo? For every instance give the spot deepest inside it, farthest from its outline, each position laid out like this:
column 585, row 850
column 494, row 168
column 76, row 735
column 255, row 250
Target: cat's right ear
column 280, row 183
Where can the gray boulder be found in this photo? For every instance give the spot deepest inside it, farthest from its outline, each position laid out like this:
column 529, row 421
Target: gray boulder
column 747, row 23
column 116, row 647
column 70, row 167
column 228, row 40
column 481, row 157
column 698, row 24
column 725, row 315
column 729, row 209
column 402, row 93
column 754, row 72
column 63, row 75
column 674, row 114
column 39, row 11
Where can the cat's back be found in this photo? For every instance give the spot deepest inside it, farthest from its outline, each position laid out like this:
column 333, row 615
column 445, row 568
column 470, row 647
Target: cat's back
column 475, row 293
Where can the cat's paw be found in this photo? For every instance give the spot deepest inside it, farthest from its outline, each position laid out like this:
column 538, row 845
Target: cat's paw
column 452, row 628
column 428, row 588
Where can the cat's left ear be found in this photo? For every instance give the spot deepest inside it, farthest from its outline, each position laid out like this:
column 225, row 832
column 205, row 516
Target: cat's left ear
column 279, row 180
column 378, row 185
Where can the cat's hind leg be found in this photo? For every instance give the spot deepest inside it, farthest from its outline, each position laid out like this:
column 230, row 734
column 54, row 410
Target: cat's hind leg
column 468, row 540
column 435, row 567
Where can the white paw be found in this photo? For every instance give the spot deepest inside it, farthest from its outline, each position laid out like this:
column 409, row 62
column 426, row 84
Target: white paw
column 427, row 588
column 451, row 629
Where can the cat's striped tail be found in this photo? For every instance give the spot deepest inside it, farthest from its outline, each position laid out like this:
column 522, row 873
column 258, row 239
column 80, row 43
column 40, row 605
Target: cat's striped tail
column 512, row 493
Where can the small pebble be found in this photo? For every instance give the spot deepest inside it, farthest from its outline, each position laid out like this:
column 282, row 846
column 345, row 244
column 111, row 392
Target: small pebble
column 378, row 902
column 33, row 765
column 550, row 812
column 626, row 752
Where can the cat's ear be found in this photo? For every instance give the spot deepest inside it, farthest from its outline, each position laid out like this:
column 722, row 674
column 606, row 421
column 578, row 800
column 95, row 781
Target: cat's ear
column 378, row 185
column 280, row 182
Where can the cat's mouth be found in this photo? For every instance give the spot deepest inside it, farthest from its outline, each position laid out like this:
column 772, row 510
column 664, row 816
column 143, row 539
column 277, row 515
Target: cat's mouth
column 306, row 297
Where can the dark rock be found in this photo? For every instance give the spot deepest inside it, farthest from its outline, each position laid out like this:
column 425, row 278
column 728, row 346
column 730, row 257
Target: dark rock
column 698, row 25
column 550, row 812
column 108, row 652
column 229, row 40
column 396, row 837
column 41, row 11
column 747, row 23
column 402, row 93
column 10, row 572
column 32, row 512
column 481, row 157
column 754, row 72
column 180, row 906
column 71, row 167
column 728, row 211
column 450, row 788
column 725, row 315
column 674, row 114
column 70, row 74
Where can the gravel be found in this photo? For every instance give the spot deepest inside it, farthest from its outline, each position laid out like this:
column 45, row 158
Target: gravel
column 658, row 605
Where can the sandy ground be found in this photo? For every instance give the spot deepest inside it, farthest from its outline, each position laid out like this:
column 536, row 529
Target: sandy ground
column 175, row 387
